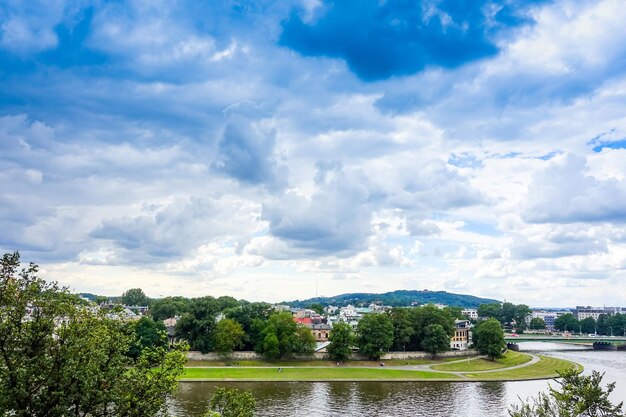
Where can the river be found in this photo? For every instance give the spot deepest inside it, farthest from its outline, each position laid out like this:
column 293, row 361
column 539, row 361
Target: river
column 403, row 399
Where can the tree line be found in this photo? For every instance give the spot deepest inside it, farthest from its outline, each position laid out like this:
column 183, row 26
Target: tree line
column 224, row 325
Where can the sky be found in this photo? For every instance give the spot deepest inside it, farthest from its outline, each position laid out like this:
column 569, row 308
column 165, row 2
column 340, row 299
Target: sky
column 278, row 150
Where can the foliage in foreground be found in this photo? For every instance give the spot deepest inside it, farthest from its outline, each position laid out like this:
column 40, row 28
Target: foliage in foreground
column 231, row 403
column 577, row 396
column 59, row 358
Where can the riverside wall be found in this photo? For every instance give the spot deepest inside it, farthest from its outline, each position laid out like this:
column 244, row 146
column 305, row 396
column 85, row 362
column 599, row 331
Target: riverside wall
column 212, row 356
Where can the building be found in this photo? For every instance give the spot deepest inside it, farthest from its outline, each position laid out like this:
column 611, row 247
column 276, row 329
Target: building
column 583, row 312
column 547, row 316
column 470, row 313
column 320, row 331
column 462, row 335
column 170, row 328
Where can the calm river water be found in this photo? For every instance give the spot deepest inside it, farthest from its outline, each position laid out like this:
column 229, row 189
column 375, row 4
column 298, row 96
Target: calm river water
column 403, row 399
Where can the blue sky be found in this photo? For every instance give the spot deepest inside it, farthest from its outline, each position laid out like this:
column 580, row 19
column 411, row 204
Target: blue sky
column 256, row 148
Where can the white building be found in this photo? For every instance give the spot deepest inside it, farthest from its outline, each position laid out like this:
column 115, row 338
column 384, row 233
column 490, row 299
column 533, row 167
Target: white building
column 582, row 312
column 470, row 313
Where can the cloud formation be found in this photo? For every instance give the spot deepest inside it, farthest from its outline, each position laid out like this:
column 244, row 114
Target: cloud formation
column 476, row 146
column 379, row 40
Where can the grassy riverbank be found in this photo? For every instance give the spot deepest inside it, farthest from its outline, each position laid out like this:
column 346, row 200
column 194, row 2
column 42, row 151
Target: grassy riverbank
column 316, row 363
column 309, row 374
column 510, row 359
column 547, row 367
column 514, row 366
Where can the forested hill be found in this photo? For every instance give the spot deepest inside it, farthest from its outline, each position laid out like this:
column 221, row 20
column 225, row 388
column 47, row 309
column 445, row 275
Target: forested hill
column 397, row 299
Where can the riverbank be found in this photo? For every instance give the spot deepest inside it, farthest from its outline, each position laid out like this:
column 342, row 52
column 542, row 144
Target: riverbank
column 513, row 367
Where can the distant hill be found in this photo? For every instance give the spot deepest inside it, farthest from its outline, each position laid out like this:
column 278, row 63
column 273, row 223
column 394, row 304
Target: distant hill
column 398, row 298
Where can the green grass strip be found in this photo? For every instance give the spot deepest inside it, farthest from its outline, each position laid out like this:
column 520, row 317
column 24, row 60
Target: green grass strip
column 309, row 374
column 511, row 358
column 547, row 367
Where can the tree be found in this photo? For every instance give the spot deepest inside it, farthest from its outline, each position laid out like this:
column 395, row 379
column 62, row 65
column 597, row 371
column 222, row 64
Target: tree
column 167, row 307
column 427, row 315
column 317, row 307
column 436, row 340
column 588, row 325
column 537, row 323
column 341, row 340
column 577, row 396
column 521, row 312
column 198, row 324
column 566, row 322
column 508, row 312
column 148, row 334
column 99, row 299
column 304, row 342
column 252, row 317
column 491, row 311
column 489, row 338
column 603, row 325
column 135, row 297
column 58, row 358
column 281, row 336
column 228, row 336
column 403, row 329
column 375, row 335
column 231, row 403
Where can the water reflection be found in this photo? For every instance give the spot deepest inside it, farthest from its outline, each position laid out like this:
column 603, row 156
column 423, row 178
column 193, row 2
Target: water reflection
column 400, row 399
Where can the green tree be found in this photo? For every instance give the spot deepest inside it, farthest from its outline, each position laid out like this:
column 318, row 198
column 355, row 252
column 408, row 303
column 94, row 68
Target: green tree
column 489, row 338
column 167, row 307
column 577, row 396
column 508, row 312
column 403, row 329
column 427, row 315
column 537, row 323
column 588, row 325
column 375, row 335
column 491, row 310
column 270, row 346
column 341, row 341
column 317, row 307
column 252, row 317
column 231, row 403
column 436, row 340
column 228, row 336
column 521, row 312
column 304, row 341
column 198, row 324
column 566, row 323
column 603, row 325
column 99, row 299
column 148, row 334
column 291, row 338
column 455, row 312
column 58, row 358
column 135, row 297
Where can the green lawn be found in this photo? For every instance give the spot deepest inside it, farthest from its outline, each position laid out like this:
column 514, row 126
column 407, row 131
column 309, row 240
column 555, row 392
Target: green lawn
column 511, row 358
column 547, row 367
column 312, row 362
column 309, row 374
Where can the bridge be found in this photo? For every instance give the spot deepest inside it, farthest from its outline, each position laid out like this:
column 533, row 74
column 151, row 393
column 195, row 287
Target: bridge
column 599, row 342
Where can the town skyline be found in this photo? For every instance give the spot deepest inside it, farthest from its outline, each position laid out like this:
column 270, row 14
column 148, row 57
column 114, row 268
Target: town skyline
column 279, row 150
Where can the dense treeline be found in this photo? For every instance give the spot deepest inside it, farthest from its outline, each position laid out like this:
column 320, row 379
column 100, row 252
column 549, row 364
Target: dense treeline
column 224, row 325
column 506, row 313
column 613, row 325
